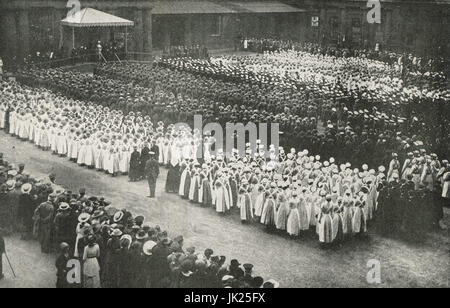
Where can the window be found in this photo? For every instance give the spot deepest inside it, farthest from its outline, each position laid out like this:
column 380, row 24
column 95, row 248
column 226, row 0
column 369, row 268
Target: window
column 314, row 21
column 216, row 26
column 334, row 28
column 356, row 30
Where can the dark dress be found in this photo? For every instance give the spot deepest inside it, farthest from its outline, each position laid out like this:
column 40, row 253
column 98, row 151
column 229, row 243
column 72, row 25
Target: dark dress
column 173, row 179
column 61, row 271
column 145, row 156
column 135, row 165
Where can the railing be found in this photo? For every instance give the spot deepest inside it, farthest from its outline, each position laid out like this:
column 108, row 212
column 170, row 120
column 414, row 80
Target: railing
column 95, row 58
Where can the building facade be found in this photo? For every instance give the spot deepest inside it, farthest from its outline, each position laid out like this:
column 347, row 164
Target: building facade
column 420, row 26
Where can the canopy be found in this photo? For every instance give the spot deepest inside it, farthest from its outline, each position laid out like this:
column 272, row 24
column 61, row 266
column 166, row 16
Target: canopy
column 89, row 17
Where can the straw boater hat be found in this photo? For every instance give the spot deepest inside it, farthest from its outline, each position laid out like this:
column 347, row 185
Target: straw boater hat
column 148, row 247
column 275, row 283
column 10, row 184
column 84, row 217
column 26, row 188
column 118, row 216
column 141, row 235
column 127, row 237
column 116, row 233
column 64, row 206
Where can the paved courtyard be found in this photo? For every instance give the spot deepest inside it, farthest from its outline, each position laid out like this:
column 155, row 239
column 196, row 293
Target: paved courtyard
column 294, row 263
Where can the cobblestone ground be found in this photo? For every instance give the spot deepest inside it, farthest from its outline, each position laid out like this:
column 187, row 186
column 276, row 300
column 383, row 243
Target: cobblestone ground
column 294, row 263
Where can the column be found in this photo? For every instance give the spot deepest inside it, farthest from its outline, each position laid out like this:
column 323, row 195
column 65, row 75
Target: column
column 165, row 22
column 10, row 34
column 342, row 27
column 148, row 42
column 204, row 34
column 322, row 25
column 188, row 30
column 138, row 32
column 24, row 33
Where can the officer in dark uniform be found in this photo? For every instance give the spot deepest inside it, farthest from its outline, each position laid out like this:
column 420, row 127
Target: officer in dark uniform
column 2, row 251
column 151, row 173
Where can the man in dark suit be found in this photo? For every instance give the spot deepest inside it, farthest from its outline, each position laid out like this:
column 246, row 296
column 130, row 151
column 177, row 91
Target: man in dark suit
column 151, row 173
column 2, row 251
column 155, row 149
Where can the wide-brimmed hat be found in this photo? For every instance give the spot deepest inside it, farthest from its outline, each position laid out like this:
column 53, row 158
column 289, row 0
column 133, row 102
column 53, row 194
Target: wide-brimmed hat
column 126, row 237
column 12, row 172
column 84, row 217
column 118, row 216
column 227, row 278
column 98, row 213
column 10, row 184
column 235, row 262
column 64, row 206
column 141, row 235
column 148, row 247
column 116, row 232
column 275, row 283
column 26, row 188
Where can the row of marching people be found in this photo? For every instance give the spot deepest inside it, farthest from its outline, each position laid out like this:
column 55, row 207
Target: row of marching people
column 89, row 135
column 292, row 193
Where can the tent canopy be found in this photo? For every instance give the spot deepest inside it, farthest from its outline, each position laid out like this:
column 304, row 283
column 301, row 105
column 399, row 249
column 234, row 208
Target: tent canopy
column 89, row 17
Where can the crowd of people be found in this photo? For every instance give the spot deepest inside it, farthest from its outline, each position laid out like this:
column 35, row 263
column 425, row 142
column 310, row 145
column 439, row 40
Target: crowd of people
column 291, row 191
column 342, row 119
column 382, row 114
column 115, row 247
column 409, row 61
column 193, row 52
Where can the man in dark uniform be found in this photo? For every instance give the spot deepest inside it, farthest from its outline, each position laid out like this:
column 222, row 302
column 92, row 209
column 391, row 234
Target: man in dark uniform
column 151, row 173
column 2, row 251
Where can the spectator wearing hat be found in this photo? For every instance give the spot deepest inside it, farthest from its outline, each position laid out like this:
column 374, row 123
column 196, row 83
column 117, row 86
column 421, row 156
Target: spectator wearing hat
column 112, row 259
column 61, row 266
column 186, row 279
column 161, row 269
column 91, row 268
column 2, row 251
column 43, row 220
column 27, row 206
column 14, row 204
column 234, row 268
column 6, row 218
column 82, row 230
column 63, row 224
column 141, row 237
column 146, row 276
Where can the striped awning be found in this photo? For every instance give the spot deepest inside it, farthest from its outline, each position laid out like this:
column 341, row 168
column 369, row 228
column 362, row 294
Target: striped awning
column 89, row 17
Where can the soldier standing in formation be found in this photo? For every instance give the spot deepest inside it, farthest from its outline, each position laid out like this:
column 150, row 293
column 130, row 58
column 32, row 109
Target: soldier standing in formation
column 151, row 173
